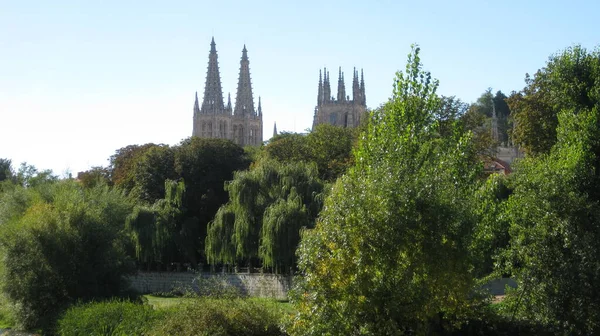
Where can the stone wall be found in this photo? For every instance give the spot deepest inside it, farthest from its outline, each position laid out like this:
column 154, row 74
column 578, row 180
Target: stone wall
column 255, row 284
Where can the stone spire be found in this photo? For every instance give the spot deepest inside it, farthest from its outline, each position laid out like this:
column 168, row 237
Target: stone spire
column 213, row 94
column 356, row 98
column 229, row 102
column 244, row 103
column 274, row 128
column 320, row 94
column 341, row 96
column 196, row 106
column 326, row 86
column 259, row 108
column 362, row 89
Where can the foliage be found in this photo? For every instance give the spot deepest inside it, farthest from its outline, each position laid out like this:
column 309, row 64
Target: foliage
column 569, row 81
column 95, row 176
column 113, row 317
column 372, row 263
column 155, row 229
column 490, row 236
column 220, row 317
column 330, row 147
column 554, row 250
column 6, row 172
column 268, row 206
column 60, row 243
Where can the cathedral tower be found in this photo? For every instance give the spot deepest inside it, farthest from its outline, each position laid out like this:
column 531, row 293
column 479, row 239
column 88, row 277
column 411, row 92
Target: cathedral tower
column 343, row 111
column 213, row 119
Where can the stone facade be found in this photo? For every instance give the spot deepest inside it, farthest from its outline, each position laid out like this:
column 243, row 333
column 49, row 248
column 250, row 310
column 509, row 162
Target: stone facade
column 213, row 119
column 340, row 111
column 255, row 285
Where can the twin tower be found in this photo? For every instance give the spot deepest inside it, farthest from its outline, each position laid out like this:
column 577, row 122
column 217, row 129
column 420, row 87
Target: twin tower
column 213, row 119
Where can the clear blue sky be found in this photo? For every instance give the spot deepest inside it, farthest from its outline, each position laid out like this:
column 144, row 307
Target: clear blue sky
column 80, row 79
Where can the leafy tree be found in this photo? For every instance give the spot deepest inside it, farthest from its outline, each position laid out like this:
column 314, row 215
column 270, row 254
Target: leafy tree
column 205, row 165
column 330, row 147
column 61, row 244
column 569, row 81
column 156, row 230
column 554, row 250
column 153, row 167
column 95, row 176
column 268, row 206
column 373, row 263
column 6, row 172
column 122, row 165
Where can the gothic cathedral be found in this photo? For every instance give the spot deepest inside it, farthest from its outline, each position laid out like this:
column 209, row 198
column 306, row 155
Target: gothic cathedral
column 242, row 124
column 341, row 111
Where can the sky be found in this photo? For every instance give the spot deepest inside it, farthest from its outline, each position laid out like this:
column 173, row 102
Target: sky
column 81, row 79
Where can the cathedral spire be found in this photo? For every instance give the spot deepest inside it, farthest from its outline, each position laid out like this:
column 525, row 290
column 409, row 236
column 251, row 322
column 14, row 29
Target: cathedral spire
column 244, row 103
column 229, row 102
column 356, row 98
column 326, row 86
column 196, row 106
column 320, row 93
column 341, row 96
column 213, row 94
column 363, row 97
column 259, row 108
column 274, row 128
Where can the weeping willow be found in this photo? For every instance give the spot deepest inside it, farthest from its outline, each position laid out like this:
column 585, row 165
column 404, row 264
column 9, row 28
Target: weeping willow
column 154, row 230
column 268, row 206
column 280, row 232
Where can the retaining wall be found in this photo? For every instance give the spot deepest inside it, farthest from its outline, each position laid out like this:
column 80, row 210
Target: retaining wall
column 251, row 284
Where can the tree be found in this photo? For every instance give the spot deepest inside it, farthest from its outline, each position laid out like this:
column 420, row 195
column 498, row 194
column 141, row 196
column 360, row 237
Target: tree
column 372, row 263
column 61, row 243
column 122, row 165
column 330, row 147
column 569, row 81
column 554, row 250
column 95, row 176
column 268, row 206
column 205, row 165
column 6, row 172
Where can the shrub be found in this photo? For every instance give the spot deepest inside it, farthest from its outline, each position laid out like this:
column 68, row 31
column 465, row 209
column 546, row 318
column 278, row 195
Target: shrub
column 220, row 317
column 107, row 318
column 64, row 243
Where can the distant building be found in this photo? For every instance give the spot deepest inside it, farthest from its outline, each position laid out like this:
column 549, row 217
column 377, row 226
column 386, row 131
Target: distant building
column 340, row 111
column 213, row 119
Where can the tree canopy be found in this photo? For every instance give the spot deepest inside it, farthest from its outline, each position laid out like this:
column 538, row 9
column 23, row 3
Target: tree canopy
column 372, row 263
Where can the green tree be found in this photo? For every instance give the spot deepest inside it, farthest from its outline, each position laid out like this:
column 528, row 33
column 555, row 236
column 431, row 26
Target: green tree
column 62, row 243
column 268, row 206
column 6, row 172
column 95, row 176
column 330, row 147
column 554, row 250
column 372, row 265
column 569, row 81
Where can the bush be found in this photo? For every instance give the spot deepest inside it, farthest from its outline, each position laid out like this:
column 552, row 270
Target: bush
column 220, row 317
column 107, row 318
column 61, row 244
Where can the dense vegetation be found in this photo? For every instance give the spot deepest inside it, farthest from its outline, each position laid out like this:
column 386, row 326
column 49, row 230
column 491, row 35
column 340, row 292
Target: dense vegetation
column 391, row 228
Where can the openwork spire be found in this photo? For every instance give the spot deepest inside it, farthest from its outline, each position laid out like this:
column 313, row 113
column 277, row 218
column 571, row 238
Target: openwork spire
column 244, row 103
column 213, row 93
column 320, row 93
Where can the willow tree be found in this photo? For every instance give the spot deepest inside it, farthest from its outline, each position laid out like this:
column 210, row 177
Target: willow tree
column 268, row 205
column 390, row 250
column 159, row 232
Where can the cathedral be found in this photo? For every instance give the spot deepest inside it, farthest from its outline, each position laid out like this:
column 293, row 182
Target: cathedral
column 340, row 111
column 213, row 119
